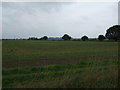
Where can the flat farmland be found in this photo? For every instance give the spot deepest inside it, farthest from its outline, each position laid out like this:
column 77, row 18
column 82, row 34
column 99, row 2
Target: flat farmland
column 59, row 64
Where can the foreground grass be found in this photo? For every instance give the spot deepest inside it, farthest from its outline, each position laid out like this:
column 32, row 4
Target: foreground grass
column 83, row 74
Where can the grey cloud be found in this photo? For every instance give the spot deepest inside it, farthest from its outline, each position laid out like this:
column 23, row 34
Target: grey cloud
column 55, row 19
column 0, row 20
column 119, row 12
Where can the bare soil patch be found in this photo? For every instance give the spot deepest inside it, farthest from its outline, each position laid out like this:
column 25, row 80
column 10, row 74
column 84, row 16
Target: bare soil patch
column 44, row 62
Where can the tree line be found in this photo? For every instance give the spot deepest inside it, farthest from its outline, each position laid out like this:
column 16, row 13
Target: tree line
column 112, row 33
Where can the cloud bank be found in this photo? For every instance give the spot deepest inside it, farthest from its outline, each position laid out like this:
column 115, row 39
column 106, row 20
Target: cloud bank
column 25, row 19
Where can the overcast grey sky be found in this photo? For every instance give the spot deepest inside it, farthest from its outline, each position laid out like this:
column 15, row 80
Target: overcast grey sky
column 27, row 19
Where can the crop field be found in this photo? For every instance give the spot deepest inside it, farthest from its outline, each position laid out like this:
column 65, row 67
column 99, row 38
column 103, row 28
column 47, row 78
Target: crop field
column 59, row 64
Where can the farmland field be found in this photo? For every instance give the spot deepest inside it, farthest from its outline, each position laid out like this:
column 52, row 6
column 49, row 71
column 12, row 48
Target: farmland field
column 59, row 64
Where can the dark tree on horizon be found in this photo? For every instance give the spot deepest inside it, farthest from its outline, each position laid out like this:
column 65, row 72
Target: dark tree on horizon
column 101, row 37
column 44, row 38
column 32, row 38
column 66, row 37
column 113, row 33
column 84, row 38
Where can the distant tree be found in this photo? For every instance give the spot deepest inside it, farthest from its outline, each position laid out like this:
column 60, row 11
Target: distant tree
column 66, row 37
column 32, row 38
column 44, row 38
column 84, row 38
column 101, row 37
column 113, row 33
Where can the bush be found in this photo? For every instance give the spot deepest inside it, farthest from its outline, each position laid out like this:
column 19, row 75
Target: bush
column 84, row 38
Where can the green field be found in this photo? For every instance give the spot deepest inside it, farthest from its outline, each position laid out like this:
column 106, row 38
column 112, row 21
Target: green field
column 59, row 64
